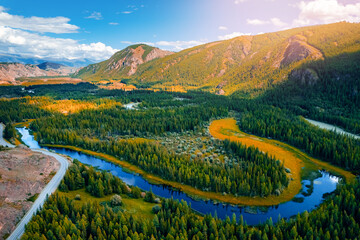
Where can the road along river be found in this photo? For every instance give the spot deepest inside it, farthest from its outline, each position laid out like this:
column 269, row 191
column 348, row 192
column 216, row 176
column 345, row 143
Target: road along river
column 252, row 215
column 48, row 190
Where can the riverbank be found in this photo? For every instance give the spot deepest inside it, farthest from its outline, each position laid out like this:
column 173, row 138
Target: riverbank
column 294, row 159
column 191, row 191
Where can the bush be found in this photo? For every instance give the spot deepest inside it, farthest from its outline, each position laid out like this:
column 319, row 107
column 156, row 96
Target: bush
column 136, row 192
column 156, row 209
column 9, row 131
column 149, row 197
column 116, row 200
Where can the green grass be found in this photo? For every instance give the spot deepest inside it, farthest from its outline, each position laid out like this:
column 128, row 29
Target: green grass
column 136, row 207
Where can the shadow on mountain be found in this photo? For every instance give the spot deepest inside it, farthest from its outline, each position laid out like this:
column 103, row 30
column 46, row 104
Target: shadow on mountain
column 325, row 90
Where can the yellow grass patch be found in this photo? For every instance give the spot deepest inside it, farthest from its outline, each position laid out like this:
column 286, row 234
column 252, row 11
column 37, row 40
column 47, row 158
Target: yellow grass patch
column 51, row 80
column 24, row 124
column 70, row 106
column 116, row 85
column 17, row 142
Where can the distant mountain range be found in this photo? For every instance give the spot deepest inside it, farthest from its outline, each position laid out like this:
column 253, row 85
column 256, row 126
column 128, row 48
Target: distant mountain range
column 245, row 65
column 4, row 57
column 9, row 72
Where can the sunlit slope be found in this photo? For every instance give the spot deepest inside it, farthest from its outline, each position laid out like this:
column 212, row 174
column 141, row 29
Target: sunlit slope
column 122, row 64
column 249, row 64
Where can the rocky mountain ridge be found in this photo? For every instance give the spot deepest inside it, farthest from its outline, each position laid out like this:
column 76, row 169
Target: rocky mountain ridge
column 248, row 65
column 123, row 63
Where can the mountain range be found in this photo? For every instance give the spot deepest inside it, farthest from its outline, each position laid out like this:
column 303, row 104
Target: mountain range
column 245, row 65
column 9, row 72
column 24, row 59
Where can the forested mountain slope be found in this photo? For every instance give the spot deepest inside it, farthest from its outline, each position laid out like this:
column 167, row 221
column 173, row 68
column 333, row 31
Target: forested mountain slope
column 247, row 65
column 122, row 64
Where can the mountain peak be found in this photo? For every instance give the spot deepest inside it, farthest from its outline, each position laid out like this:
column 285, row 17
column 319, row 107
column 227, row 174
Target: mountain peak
column 125, row 62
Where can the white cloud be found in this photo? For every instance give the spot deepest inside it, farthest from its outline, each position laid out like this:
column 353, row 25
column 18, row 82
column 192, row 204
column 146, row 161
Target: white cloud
column 232, row 35
column 277, row 22
column 326, row 11
column 170, row 45
column 113, row 23
column 95, row 15
column 126, row 12
column 25, row 43
column 178, row 45
column 223, row 28
column 239, row 1
column 37, row 24
column 256, row 22
column 274, row 21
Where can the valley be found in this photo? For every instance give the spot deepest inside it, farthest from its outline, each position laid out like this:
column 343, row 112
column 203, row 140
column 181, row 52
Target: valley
column 251, row 137
column 197, row 139
column 212, row 203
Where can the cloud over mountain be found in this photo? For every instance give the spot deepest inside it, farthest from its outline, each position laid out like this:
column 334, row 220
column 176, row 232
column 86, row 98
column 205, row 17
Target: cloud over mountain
column 23, row 36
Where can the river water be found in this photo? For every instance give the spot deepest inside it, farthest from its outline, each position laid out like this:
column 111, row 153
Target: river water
column 331, row 128
column 325, row 184
column 131, row 106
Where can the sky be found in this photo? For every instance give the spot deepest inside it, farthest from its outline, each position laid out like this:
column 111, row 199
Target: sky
column 95, row 30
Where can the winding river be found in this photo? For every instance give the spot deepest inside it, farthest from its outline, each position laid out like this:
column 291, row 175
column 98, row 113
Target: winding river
column 325, row 184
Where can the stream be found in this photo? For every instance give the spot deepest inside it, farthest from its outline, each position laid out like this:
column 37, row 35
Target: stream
column 252, row 215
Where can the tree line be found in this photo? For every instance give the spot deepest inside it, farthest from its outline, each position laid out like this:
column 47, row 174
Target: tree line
column 118, row 121
column 253, row 174
column 273, row 122
column 337, row 218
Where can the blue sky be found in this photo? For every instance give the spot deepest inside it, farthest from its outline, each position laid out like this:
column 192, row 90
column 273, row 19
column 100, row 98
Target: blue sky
column 96, row 29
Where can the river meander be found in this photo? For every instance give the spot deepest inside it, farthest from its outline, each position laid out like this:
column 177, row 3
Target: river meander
column 252, row 215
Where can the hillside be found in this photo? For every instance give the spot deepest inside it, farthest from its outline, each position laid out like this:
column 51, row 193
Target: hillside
column 10, row 71
column 122, row 64
column 56, row 67
column 245, row 65
column 250, row 64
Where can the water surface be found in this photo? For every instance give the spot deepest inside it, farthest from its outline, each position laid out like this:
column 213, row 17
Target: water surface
column 330, row 127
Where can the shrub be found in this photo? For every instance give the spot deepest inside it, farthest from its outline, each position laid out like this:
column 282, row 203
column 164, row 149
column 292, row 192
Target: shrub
column 156, row 209
column 116, row 200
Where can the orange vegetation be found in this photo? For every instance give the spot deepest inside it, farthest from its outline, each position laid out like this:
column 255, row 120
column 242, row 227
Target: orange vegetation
column 292, row 158
column 71, row 106
column 52, row 80
column 116, row 85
